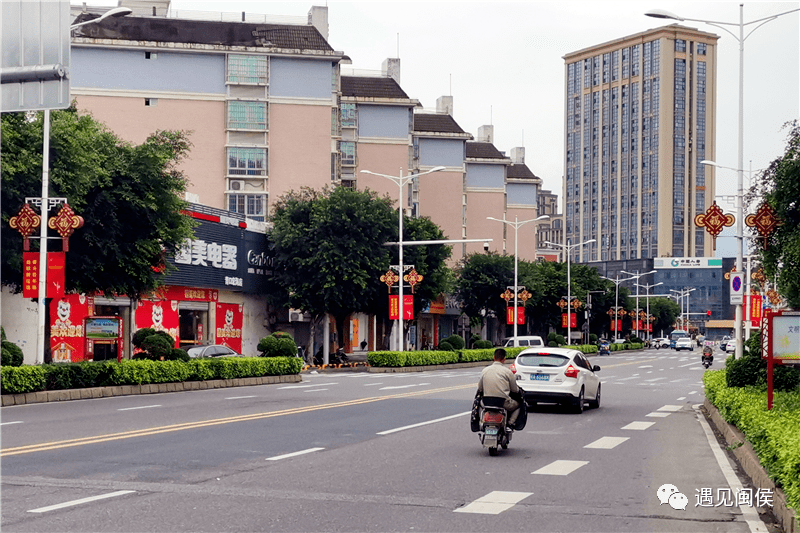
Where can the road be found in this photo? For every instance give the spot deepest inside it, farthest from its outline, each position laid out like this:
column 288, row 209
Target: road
column 359, row 451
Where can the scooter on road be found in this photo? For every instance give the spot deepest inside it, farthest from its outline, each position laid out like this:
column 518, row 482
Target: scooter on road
column 707, row 357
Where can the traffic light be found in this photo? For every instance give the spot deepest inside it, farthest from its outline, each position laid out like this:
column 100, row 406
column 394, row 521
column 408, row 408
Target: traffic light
column 708, row 312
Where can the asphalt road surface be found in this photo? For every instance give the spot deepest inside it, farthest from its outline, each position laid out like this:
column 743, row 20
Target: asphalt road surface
column 359, row 451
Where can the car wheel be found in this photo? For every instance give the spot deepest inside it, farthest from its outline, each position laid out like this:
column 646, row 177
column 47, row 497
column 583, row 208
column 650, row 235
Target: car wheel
column 594, row 404
column 578, row 405
column 492, row 451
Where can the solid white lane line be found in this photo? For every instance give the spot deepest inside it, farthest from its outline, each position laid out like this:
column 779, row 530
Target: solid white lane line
column 239, row 397
column 670, row 408
column 372, row 384
column 293, row 454
column 7, row 423
column 315, row 390
column 388, row 431
column 494, row 503
column 607, row 443
column 638, row 425
column 645, row 366
column 141, row 407
column 750, row 514
column 306, row 386
column 82, row 500
column 404, row 386
column 658, row 415
column 560, row 468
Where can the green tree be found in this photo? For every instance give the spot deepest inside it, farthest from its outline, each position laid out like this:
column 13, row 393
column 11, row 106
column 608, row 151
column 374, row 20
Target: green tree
column 665, row 310
column 330, row 245
column 778, row 186
column 480, row 279
column 128, row 195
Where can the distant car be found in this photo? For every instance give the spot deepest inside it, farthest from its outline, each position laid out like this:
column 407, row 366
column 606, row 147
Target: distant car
column 730, row 346
column 724, row 343
column 211, row 350
column 604, row 348
column 558, row 375
column 660, row 342
column 530, row 340
column 684, row 343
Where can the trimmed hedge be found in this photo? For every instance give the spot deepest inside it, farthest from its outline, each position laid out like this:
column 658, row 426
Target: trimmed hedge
column 428, row 357
column 59, row 376
column 773, row 433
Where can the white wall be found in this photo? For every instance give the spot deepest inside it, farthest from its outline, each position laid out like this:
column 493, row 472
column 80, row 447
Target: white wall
column 20, row 321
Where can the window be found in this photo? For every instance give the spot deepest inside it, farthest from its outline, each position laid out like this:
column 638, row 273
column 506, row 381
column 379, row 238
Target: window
column 349, row 115
column 247, row 69
column 150, row 55
column 250, row 205
column 680, row 45
column 247, row 161
column 348, row 151
column 247, row 115
column 150, row 102
column 701, row 49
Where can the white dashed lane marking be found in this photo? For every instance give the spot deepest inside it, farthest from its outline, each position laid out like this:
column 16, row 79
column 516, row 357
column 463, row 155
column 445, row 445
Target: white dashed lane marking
column 560, row 468
column 638, row 425
column 82, row 500
column 658, row 415
column 606, row 443
column 293, row 454
column 669, row 408
column 141, row 407
column 494, row 503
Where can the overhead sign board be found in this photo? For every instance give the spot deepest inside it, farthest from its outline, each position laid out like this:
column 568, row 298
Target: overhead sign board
column 661, row 263
column 36, row 55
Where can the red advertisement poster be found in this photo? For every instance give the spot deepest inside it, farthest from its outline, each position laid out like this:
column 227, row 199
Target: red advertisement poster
column 56, row 264
column 161, row 315
column 229, row 326
column 573, row 319
column 510, row 315
column 30, row 274
column 616, row 325
column 408, row 307
column 394, row 307
column 67, row 342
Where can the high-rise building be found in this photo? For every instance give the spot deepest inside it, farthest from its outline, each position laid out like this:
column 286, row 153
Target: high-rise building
column 639, row 119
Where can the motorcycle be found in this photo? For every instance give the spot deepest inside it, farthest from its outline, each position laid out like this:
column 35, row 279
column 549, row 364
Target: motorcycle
column 707, row 357
column 493, row 431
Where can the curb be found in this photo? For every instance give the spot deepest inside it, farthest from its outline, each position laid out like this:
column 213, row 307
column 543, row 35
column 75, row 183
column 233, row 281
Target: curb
column 146, row 388
column 748, row 461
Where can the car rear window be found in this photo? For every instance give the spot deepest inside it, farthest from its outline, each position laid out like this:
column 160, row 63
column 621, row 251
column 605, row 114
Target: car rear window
column 550, row 360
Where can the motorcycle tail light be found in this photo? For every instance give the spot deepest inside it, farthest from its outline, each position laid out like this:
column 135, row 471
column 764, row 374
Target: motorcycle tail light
column 571, row 372
column 492, row 417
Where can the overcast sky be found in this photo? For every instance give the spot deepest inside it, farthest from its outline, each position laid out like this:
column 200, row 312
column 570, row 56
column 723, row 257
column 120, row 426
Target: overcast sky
column 503, row 64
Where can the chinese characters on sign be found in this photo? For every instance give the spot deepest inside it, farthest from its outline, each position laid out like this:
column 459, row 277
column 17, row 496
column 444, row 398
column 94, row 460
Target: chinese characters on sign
column 727, row 498
column 201, row 253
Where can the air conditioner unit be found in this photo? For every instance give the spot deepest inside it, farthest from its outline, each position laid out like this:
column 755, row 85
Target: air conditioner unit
column 296, row 315
column 237, row 185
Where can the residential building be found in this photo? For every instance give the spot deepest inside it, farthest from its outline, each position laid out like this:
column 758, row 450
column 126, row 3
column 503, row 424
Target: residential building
column 639, row 119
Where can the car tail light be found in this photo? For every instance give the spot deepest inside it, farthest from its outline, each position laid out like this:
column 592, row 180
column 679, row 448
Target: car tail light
column 513, row 368
column 571, row 372
column 492, row 417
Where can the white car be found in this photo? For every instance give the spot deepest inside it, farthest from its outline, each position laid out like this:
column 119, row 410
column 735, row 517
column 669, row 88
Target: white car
column 531, row 340
column 684, row 343
column 660, row 343
column 558, row 375
column 730, row 347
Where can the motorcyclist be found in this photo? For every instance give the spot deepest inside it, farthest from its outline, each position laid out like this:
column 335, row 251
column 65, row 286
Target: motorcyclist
column 707, row 354
column 497, row 380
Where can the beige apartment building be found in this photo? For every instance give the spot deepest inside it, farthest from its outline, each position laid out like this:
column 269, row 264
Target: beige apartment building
column 639, row 118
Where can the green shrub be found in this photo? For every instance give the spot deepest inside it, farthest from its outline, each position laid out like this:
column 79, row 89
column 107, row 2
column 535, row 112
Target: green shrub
column 11, row 354
column 477, row 354
column 141, row 335
column 785, row 378
column 772, row 433
column 446, row 346
column 456, row 341
column 19, row 379
column 561, row 340
column 552, row 344
column 552, row 337
column 746, row 371
column 279, row 344
column 482, row 344
column 176, row 354
column 593, row 338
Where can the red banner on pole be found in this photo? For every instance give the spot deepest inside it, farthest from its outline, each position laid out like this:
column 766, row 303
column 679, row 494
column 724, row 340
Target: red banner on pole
column 408, row 307
column 573, row 320
column 56, row 265
column 616, row 325
column 755, row 309
column 510, row 316
column 30, row 274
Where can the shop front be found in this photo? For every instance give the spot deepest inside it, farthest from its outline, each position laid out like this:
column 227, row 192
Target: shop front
column 215, row 294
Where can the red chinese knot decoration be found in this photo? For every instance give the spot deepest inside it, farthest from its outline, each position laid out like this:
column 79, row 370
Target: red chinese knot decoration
column 390, row 278
column 714, row 220
column 765, row 221
column 25, row 222
column 65, row 223
column 413, row 278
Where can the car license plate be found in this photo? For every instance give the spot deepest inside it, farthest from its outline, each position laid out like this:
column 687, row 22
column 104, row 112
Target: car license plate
column 540, row 377
column 491, row 431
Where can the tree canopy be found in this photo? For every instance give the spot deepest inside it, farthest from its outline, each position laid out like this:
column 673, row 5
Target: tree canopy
column 779, row 186
column 130, row 197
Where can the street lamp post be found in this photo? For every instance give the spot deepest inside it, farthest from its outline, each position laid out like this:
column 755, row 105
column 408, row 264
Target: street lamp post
column 516, row 225
column 568, row 250
column 684, row 294
column 637, row 275
column 648, row 287
column 616, row 282
column 401, row 181
column 658, row 13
